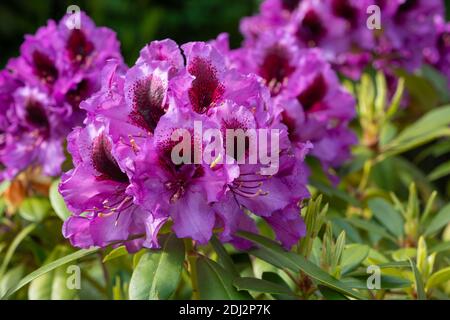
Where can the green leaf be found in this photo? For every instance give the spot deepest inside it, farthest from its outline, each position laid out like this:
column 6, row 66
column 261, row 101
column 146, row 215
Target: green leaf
column 271, row 252
column 34, row 209
column 438, row 80
column 420, row 89
column 440, row 220
column 47, row 268
column 215, row 283
column 421, row 295
column 11, row 278
column 354, row 255
column 440, row 171
column 371, row 228
column 57, row 201
column 115, row 253
column 158, row 273
column 260, row 285
column 395, row 264
column 276, row 278
column 404, row 254
column 12, row 248
column 386, row 282
column 351, row 232
column 432, row 125
column 224, row 259
column 387, row 215
column 52, row 285
column 438, row 277
column 441, row 247
column 335, row 192
column 331, row 294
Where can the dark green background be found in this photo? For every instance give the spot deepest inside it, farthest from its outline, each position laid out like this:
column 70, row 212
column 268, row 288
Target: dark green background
column 136, row 22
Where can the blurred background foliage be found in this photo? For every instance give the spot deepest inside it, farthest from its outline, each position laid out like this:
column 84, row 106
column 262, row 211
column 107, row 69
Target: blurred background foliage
column 136, row 22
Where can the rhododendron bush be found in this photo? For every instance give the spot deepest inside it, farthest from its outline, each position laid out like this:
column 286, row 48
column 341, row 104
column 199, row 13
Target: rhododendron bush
column 310, row 162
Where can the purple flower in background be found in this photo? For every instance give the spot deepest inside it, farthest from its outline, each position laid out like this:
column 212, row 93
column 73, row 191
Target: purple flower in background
column 438, row 55
column 58, row 67
column 124, row 153
column 338, row 27
column 306, row 92
column 408, row 29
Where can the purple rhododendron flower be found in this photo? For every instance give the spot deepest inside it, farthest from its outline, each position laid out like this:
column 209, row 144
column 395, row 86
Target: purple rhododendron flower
column 438, row 55
column 306, row 93
column 124, row 153
column 339, row 28
column 41, row 90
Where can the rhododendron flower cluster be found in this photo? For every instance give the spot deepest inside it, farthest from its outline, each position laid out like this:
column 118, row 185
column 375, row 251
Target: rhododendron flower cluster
column 339, row 27
column 306, row 91
column 123, row 155
column 438, row 55
column 40, row 91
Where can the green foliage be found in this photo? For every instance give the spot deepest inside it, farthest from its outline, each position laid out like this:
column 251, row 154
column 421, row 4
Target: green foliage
column 157, row 273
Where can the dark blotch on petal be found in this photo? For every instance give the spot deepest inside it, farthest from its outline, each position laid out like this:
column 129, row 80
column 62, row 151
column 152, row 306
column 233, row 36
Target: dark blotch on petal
column 443, row 43
column 405, row 8
column 44, row 67
column 311, row 29
column 343, row 9
column 312, row 96
column 78, row 46
column 36, row 115
column 148, row 98
column 276, row 68
column 79, row 93
column 206, row 88
column 104, row 162
column 290, row 5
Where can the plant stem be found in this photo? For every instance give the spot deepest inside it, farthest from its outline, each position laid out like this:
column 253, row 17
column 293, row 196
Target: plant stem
column 192, row 259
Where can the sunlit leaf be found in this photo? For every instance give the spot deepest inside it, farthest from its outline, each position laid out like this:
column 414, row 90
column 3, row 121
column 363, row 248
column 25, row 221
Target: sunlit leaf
column 158, row 272
column 47, row 268
column 260, row 285
column 215, row 283
column 57, row 201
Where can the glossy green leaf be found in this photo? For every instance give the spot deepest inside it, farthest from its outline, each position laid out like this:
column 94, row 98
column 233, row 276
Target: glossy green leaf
column 271, row 252
column 331, row 294
column 421, row 295
column 438, row 278
column 12, row 248
column 395, row 264
column 440, row 220
column 371, row 228
column 261, row 285
column 440, row 171
column 57, row 201
column 353, row 256
column 404, row 254
column 432, row 125
column 215, row 283
column 47, row 268
column 386, row 282
column 11, row 278
column 34, row 209
column 441, row 247
column 387, row 215
column 224, row 258
column 115, row 253
column 52, row 285
column 276, row 278
column 158, row 272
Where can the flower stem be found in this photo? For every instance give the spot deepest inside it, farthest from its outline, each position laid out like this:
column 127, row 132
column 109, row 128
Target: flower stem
column 192, row 259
